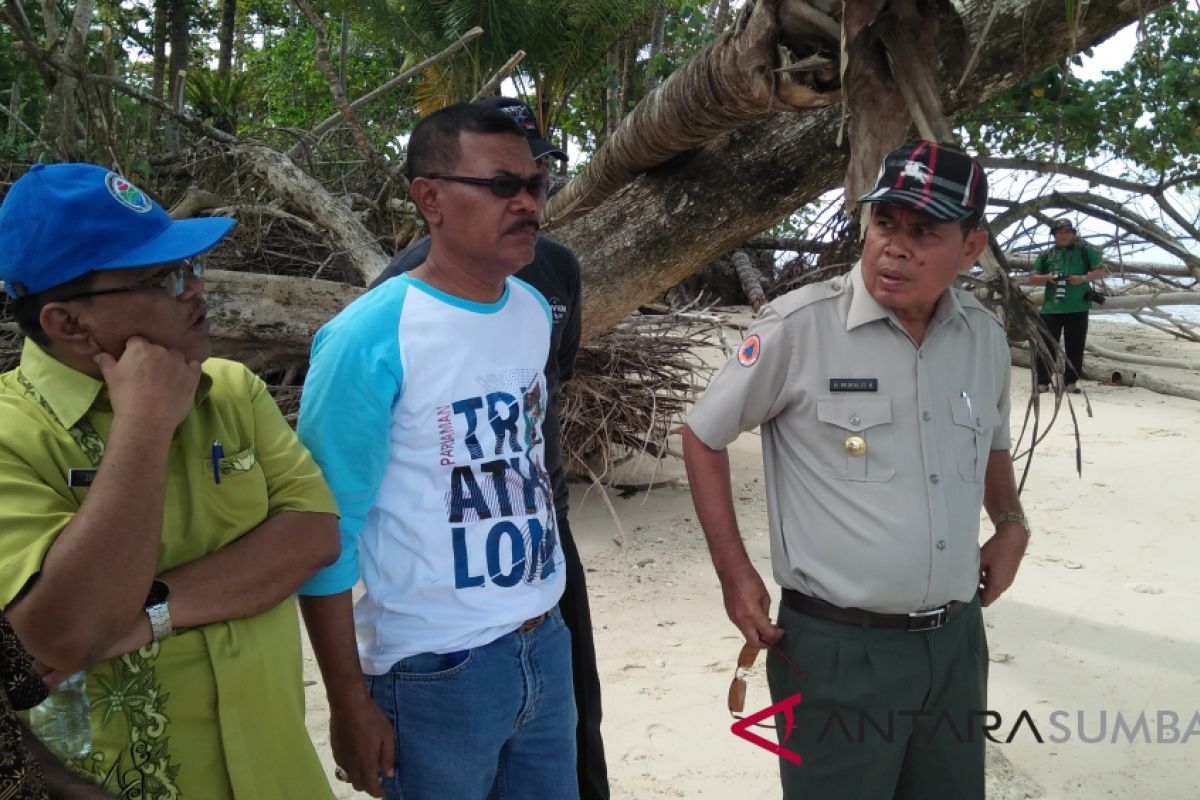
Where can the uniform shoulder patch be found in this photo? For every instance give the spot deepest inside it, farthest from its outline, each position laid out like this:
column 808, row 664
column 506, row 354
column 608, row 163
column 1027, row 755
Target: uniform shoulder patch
column 749, row 350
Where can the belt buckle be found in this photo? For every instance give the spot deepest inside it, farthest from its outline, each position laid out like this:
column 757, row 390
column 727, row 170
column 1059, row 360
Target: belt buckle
column 929, row 620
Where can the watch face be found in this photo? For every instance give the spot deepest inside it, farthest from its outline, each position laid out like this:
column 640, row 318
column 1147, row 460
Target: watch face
column 159, row 592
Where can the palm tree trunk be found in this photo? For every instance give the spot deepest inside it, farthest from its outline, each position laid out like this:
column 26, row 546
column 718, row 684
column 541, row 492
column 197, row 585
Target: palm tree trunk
column 730, row 82
column 158, row 65
column 225, row 37
column 178, row 40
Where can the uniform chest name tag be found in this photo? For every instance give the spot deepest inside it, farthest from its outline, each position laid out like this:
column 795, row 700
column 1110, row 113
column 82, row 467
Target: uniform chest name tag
column 80, row 478
column 854, row 384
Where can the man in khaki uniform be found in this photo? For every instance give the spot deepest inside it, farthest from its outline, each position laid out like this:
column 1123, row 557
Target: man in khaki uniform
column 883, row 401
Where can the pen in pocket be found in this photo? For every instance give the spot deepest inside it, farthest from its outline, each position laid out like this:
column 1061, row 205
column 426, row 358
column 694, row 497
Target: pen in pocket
column 218, row 452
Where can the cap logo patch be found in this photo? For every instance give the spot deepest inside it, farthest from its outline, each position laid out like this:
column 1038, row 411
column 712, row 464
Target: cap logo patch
column 520, row 114
column 918, row 171
column 748, row 352
column 127, row 194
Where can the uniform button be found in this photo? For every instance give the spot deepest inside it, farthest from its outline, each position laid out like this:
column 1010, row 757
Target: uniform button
column 941, row 545
column 920, row 355
column 855, row 420
column 934, row 478
column 926, row 416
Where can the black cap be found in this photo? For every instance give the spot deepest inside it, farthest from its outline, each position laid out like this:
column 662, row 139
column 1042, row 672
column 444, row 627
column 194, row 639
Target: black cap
column 934, row 179
column 523, row 116
column 1062, row 224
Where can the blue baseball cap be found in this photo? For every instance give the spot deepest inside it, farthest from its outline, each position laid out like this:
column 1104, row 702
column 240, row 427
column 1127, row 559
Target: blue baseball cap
column 60, row 221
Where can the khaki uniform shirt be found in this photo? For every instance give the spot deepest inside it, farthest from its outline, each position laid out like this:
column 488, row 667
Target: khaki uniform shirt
column 894, row 528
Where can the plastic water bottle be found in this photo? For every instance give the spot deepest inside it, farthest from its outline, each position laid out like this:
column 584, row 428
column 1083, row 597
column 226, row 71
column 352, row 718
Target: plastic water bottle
column 64, row 721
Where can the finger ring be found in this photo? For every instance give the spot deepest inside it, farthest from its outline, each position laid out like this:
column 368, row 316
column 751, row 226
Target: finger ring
column 341, row 775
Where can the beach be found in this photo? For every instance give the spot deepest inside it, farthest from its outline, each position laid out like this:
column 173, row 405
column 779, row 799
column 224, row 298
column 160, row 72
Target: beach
column 1101, row 621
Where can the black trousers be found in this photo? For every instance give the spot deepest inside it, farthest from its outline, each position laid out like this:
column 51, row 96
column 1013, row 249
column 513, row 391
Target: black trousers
column 593, row 772
column 1072, row 328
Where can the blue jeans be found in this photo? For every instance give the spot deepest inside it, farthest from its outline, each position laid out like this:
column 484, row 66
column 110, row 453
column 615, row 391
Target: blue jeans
column 497, row 724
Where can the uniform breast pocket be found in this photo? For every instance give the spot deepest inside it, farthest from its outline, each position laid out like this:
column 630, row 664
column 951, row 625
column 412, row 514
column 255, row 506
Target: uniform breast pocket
column 239, row 495
column 858, row 442
column 973, row 427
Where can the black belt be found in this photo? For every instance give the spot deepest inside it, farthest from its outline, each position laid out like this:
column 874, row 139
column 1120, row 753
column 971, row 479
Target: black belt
column 929, row 620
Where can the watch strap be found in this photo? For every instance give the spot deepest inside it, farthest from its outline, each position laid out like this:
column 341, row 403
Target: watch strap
column 1017, row 517
column 160, row 621
column 158, row 610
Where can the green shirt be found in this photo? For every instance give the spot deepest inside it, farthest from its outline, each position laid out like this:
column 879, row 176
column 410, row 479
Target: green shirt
column 1077, row 258
column 212, row 712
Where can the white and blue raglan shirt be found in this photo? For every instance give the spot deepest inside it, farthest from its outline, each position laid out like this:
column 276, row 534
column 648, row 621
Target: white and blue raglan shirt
column 425, row 413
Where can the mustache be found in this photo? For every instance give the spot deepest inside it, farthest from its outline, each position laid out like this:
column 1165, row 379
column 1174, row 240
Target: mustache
column 531, row 223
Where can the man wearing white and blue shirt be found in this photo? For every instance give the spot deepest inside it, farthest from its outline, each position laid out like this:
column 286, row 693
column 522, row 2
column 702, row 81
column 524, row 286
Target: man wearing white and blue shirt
column 424, row 405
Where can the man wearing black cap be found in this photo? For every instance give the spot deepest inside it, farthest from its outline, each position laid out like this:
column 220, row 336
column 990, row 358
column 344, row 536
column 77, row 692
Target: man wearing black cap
column 555, row 273
column 883, row 401
column 156, row 511
column 1067, row 270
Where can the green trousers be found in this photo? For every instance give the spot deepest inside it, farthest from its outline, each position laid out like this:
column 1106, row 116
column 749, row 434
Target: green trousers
column 884, row 714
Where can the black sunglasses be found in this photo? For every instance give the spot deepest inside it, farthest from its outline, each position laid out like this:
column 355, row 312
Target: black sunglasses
column 505, row 186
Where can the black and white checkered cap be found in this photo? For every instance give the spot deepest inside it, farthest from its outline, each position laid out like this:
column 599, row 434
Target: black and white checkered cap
column 934, row 179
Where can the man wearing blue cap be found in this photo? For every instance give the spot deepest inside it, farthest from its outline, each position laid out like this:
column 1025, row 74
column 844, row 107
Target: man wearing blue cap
column 883, row 401
column 156, row 511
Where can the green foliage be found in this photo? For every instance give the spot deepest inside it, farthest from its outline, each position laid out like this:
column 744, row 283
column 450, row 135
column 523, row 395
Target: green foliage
column 218, row 98
column 1147, row 112
column 687, row 30
column 288, row 90
column 564, row 42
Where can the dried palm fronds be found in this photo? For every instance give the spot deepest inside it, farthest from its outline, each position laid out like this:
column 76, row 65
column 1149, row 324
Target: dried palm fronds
column 631, row 388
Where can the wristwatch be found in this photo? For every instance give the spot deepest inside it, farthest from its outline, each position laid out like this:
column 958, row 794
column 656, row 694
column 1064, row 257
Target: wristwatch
column 159, row 611
column 1017, row 517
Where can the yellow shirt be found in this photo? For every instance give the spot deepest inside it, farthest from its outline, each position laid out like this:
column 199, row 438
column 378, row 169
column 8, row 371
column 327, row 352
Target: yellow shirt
column 212, row 712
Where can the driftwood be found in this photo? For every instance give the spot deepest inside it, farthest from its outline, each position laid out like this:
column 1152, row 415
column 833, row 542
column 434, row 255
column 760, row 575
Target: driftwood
column 298, row 189
column 1129, row 301
column 1136, row 358
column 1120, row 374
column 269, row 320
column 750, row 278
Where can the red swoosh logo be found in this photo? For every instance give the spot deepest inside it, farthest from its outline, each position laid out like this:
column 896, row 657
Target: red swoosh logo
column 742, row 727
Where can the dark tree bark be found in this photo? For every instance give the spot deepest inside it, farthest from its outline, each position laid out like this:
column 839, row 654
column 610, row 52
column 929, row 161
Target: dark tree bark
column 178, row 39
column 225, row 37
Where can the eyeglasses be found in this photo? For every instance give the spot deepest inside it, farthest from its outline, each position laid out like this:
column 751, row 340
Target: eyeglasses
column 171, row 279
column 505, row 186
column 737, row 687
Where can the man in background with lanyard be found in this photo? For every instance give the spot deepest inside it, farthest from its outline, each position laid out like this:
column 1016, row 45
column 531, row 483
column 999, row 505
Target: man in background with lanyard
column 156, row 511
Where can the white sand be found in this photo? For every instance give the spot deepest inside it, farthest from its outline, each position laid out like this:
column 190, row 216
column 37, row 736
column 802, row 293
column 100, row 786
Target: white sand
column 1103, row 615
